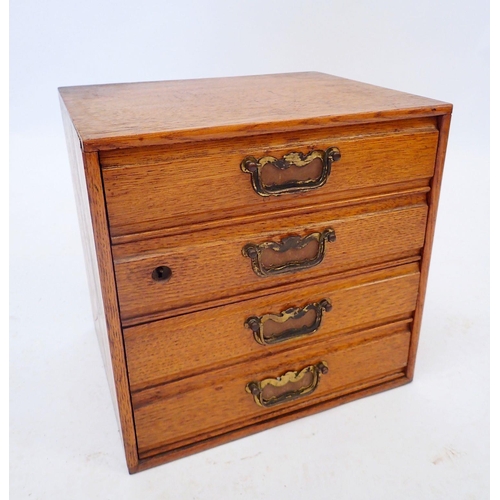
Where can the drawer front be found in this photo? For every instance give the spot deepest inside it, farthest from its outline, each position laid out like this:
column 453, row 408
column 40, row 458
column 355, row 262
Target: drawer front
column 150, row 189
column 199, row 407
column 169, row 273
column 181, row 346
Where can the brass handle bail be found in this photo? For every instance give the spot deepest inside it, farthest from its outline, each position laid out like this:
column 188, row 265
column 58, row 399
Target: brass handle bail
column 292, row 173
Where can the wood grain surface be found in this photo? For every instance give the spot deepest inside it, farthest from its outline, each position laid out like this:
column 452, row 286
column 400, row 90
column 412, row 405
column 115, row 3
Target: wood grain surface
column 216, row 402
column 368, row 388
column 210, row 265
column 140, row 114
column 181, row 346
column 147, row 188
column 91, row 210
column 156, row 169
column 190, row 223
column 433, row 200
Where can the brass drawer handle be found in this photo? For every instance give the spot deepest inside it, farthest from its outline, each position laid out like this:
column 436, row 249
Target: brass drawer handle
column 292, row 173
column 292, row 253
column 288, row 387
column 301, row 321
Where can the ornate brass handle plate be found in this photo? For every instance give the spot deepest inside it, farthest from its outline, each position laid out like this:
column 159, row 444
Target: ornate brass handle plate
column 292, row 173
column 288, row 387
column 292, row 253
column 290, row 324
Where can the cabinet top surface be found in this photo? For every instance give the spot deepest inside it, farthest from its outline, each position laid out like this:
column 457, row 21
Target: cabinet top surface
column 131, row 114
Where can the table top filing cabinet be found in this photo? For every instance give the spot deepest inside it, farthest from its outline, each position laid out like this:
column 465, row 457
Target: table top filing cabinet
column 257, row 247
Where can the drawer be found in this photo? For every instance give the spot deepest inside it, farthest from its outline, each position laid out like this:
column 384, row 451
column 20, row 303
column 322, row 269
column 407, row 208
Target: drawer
column 181, row 346
column 196, row 408
column 149, row 189
column 191, row 271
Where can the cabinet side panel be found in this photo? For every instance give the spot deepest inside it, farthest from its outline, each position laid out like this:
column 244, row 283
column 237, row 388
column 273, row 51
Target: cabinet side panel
column 433, row 200
column 87, row 183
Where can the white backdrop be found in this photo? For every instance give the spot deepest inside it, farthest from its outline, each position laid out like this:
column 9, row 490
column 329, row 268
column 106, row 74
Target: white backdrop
column 427, row 440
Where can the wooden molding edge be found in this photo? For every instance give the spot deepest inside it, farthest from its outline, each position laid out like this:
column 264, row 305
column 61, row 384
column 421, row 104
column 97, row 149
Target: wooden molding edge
column 433, row 201
column 89, row 192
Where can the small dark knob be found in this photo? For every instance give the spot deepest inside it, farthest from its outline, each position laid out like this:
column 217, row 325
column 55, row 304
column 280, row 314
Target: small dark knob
column 162, row 273
column 253, row 387
column 250, row 251
column 331, row 236
column 250, row 164
column 325, row 304
column 322, row 368
column 253, row 323
column 334, row 154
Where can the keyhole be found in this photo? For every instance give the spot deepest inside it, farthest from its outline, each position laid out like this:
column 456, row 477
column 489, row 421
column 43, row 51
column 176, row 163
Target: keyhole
column 162, row 273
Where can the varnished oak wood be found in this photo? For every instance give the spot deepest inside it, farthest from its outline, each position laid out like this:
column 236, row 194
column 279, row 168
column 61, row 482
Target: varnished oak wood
column 287, row 287
column 190, row 224
column 91, row 210
column 433, row 200
column 156, row 169
column 163, row 416
column 211, row 170
column 210, row 265
column 181, row 346
column 129, row 115
column 363, row 390
column 279, row 416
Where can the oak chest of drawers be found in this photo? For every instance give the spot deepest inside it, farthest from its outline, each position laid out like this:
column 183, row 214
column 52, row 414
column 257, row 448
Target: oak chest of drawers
column 257, row 247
